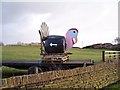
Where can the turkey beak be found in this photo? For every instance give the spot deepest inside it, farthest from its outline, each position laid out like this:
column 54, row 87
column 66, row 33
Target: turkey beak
column 75, row 40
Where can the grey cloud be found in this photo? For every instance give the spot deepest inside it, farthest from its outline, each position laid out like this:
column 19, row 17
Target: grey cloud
column 12, row 11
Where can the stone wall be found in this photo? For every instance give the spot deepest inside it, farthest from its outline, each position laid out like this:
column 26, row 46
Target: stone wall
column 96, row 76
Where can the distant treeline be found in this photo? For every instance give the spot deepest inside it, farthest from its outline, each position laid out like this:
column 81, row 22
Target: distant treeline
column 104, row 46
column 22, row 44
column 94, row 46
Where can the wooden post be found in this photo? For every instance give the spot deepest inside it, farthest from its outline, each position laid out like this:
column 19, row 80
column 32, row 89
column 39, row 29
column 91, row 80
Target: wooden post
column 36, row 70
column 41, row 43
column 119, row 65
column 103, row 56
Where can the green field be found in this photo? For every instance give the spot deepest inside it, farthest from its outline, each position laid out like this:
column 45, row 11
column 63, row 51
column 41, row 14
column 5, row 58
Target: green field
column 33, row 53
column 85, row 54
column 20, row 53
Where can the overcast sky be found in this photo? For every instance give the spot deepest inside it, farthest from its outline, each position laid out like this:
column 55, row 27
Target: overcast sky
column 97, row 22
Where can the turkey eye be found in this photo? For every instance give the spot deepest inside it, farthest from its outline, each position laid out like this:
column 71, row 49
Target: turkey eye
column 73, row 31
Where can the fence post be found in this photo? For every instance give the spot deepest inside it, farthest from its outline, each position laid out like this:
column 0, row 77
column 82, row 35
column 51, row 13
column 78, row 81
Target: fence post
column 103, row 56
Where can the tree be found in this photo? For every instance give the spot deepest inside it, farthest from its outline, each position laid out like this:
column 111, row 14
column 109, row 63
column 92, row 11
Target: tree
column 117, row 40
column 1, row 44
column 118, row 43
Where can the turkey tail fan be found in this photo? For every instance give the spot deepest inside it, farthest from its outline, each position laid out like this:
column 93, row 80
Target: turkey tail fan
column 44, row 31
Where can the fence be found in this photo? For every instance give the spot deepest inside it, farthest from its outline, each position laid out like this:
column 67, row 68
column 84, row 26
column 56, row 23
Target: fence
column 110, row 55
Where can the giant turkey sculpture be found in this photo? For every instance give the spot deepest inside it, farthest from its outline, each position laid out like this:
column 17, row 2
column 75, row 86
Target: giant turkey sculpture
column 70, row 39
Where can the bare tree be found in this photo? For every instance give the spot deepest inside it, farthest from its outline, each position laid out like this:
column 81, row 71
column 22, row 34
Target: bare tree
column 117, row 40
